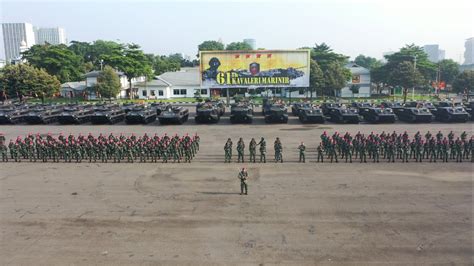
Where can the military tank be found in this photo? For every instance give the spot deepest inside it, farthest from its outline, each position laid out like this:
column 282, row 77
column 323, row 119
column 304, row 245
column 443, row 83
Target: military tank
column 308, row 113
column 127, row 107
column 274, row 112
column 75, row 114
column 107, row 114
column 174, row 115
column 469, row 107
column 43, row 114
column 140, row 114
column 377, row 115
column 338, row 113
column 209, row 112
column 447, row 112
column 415, row 115
column 241, row 112
column 12, row 114
column 395, row 106
column 158, row 107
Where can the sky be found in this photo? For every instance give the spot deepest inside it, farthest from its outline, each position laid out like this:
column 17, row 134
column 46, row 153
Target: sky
column 350, row 27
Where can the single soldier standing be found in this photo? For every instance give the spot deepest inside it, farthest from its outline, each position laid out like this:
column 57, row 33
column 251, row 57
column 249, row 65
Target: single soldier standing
column 243, row 176
column 240, row 150
column 302, row 149
column 228, row 151
column 253, row 150
column 263, row 150
column 320, row 150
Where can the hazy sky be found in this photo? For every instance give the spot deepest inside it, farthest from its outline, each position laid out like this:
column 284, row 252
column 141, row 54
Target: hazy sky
column 349, row 27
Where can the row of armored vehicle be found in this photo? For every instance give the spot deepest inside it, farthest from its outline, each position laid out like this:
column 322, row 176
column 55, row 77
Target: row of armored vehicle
column 241, row 112
column 96, row 114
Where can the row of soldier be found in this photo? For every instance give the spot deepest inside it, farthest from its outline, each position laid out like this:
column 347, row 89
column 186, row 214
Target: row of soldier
column 262, row 144
column 102, row 148
column 396, row 147
column 386, row 146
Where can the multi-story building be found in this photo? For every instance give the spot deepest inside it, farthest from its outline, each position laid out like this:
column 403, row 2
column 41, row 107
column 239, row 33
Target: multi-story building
column 50, row 35
column 14, row 35
column 434, row 53
column 469, row 52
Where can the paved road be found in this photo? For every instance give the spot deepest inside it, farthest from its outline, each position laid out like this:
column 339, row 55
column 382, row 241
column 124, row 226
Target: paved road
column 295, row 214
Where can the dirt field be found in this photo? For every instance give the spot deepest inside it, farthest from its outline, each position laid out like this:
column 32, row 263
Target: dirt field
column 59, row 214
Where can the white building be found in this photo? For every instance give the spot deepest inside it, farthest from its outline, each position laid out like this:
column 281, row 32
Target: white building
column 91, row 81
column 469, row 52
column 50, row 35
column 180, row 84
column 360, row 81
column 14, row 34
column 72, row 89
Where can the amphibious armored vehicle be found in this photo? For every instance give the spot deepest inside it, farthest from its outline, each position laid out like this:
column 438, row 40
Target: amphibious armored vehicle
column 107, row 114
column 174, row 114
column 140, row 114
column 75, row 114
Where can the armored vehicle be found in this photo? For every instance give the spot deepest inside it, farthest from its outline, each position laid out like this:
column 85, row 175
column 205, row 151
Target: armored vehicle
column 174, row 114
column 340, row 114
column 274, row 112
column 241, row 112
column 127, row 107
column 415, row 115
column 308, row 113
column 43, row 114
column 209, row 111
column 107, row 114
column 75, row 114
column 140, row 114
column 395, row 106
column 469, row 106
column 359, row 105
column 377, row 114
column 158, row 107
column 447, row 112
column 12, row 114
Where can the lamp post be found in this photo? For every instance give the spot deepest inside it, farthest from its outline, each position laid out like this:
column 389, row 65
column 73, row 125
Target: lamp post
column 414, row 78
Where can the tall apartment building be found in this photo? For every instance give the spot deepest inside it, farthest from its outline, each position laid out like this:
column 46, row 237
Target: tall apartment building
column 17, row 36
column 469, row 52
column 50, row 35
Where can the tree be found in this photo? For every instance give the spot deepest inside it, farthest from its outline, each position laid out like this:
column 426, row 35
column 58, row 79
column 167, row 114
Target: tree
column 210, row 46
column 405, row 76
column 367, row 62
column 324, row 55
column 132, row 62
column 335, row 78
column 238, row 46
column 408, row 54
column 448, row 70
column 378, row 76
column 57, row 60
column 22, row 79
column 316, row 78
column 108, row 83
column 464, row 82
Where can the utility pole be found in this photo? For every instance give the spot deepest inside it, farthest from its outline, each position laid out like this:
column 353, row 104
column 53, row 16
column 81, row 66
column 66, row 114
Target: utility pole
column 414, row 78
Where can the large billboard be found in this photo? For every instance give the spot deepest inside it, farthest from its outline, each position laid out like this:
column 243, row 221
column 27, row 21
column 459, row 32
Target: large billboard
column 259, row 68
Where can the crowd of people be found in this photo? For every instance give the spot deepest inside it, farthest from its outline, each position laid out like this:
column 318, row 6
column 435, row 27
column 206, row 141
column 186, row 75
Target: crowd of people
column 102, row 148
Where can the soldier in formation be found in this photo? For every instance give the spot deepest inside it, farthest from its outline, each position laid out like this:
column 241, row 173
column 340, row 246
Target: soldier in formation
column 241, row 150
column 396, row 147
column 102, row 148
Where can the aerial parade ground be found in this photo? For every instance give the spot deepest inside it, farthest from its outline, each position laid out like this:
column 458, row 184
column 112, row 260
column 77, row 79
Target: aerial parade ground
column 193, row 213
